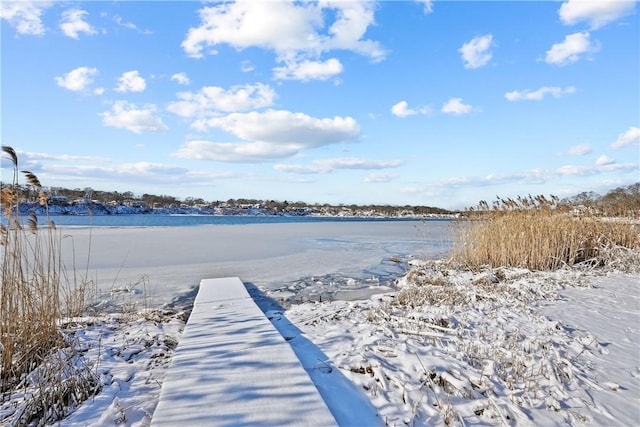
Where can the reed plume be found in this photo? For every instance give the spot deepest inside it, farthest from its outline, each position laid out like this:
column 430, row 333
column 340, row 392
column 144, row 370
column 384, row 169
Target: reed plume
column 535, row 232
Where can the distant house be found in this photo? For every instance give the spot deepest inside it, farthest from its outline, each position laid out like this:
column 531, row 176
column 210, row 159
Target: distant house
column 135, row 203
column 58, row 200
column 138, row 204
column 86, row 201
column 82, row 201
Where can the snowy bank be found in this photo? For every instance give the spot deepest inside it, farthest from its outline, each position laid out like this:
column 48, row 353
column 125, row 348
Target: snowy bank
column 492, row 348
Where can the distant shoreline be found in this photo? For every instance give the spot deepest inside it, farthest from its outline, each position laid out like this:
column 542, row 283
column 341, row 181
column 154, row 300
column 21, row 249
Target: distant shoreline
column 98, row 209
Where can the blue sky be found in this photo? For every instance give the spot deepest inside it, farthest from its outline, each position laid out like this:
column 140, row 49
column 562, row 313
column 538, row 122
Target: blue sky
column 440, row 103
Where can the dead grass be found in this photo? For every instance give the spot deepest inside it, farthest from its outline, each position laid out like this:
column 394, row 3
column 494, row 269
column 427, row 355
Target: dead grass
column 35, row 293
column 534, row 233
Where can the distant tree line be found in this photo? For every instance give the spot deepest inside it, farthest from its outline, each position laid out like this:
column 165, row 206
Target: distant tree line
column 621, row 201
column 27, row 193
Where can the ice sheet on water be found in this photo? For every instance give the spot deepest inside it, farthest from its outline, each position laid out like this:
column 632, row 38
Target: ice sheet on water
column 361, row 283
column 330, row 287
column 271, row 256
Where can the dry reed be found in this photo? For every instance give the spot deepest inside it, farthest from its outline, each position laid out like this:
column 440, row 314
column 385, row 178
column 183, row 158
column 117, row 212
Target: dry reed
column 534, row 233
column 35, row 292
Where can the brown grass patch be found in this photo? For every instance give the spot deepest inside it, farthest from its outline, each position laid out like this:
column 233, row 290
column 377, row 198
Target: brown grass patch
column 534, row 233
column 35, row 293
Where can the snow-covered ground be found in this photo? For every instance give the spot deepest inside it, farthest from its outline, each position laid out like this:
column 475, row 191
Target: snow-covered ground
column 444, row 346
column 504, row 347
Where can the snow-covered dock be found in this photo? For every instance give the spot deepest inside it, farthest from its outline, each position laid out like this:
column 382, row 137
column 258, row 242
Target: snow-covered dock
column 232, row 367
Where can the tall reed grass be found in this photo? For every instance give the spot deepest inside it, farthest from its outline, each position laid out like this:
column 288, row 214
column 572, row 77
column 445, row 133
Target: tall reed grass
column 35, row 293
column 535, row 233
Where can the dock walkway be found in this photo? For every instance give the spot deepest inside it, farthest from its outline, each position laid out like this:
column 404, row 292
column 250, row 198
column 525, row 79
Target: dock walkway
column 232, row 368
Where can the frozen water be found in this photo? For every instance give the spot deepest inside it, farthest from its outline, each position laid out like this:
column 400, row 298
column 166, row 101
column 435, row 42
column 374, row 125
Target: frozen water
column 295, row 261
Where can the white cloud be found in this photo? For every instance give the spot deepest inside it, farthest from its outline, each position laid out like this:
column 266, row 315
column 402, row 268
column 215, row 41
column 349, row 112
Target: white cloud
column 148, row 168
column 131, row 82
column 596, row 13
column 427, row 6
column 280, row 26
column 350, row 25
column 212, row 99
column 33, row 156
column 64, row 167
column 25, row 16
column 285, row 127
column 604, row 160
column 477, row 52
column 628, row 138
column 296, row 32
column 268, row 136
column 92, row 170
column 606, row 165
column 378, row 177
column 580, row 150
column 127, row 116
column 569, row 170
column 617, row 167
column 181, row 78
column 78, row 79
column 130, row 25
column 571, row 49
column 532, row 176
column 246, row 66
column 329, row 165
column 125, row 173
column 308, row 70
column 73, row 24
column 537, row 95
column 249, row 152
column 414, row 190
column 456, row 106
column 401, row 109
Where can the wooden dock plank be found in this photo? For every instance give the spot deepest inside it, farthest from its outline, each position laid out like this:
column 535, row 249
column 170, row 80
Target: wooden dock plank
column 233, row 368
